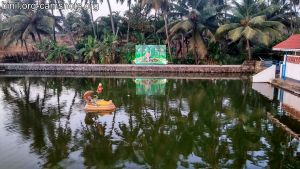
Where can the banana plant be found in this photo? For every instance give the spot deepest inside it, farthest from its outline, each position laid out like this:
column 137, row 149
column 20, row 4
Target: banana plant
column 90, row 51
column 55, row 52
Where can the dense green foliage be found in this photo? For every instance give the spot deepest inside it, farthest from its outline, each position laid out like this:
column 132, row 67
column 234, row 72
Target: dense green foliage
column 237, row 29
column 55, row 52
column 251, row 26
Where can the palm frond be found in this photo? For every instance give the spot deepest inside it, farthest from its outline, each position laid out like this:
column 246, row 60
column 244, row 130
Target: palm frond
column 170, row 25
column 236, row 34
column 183, row 25
column 225, row 28
column 274, row 24
column 262, row 37
column 198, row 46
column 258, row 20
column 249, row 33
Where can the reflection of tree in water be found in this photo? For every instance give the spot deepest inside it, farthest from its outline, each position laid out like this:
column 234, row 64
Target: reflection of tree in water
column 97, row 146
column 224, row 127
column 37, row 121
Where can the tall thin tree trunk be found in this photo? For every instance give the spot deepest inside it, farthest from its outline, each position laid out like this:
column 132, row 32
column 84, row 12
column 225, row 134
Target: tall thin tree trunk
column 40, row 38
column 248, row 49
column 182, row 45
column 53, row 28
column 225, row 11
column 111, row 18
column 128, row 25
column 71, row 106
column 296, row 17
column 25, row 46
column 155, row 21
column 67, row 29
column 92, row 19
column 167, row 34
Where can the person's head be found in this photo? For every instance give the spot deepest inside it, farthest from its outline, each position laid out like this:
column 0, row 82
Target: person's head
column 99, row 88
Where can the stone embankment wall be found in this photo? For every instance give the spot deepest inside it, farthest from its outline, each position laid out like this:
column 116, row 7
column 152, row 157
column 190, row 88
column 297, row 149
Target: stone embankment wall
column 244, row 68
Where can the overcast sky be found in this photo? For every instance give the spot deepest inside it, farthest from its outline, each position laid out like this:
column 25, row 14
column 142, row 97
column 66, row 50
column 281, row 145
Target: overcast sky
column 103, row 8
column 103, row 11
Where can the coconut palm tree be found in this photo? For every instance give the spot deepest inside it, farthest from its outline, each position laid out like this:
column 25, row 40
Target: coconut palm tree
column 250, row 26
column 20, row 27
column 163, row 5
column 63, row 18
column 129, row 2
column 295, row 8
column 281, row 13
column 111, row 17
column 91, row 3
column 280, row 10
column 197, row 27
column 57, row 19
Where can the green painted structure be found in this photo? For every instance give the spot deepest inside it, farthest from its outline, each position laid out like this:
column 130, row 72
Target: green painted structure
column 150, row 54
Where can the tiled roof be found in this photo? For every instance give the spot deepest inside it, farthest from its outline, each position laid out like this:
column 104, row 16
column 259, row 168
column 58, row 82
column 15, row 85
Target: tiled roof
column 291, row 44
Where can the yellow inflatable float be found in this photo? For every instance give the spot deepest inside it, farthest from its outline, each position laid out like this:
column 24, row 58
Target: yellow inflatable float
column 97, row 105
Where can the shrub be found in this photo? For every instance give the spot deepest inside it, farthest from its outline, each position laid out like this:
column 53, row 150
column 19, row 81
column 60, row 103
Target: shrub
column 54, row 52
column 127, row 52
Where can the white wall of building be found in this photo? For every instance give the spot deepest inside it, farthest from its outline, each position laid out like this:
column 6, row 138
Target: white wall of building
column 265, row 76
column 265, row 89
column 293, row 71
column 291, row 100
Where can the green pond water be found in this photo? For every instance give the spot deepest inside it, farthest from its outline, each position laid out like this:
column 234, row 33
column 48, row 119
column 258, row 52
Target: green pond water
column 158, row 123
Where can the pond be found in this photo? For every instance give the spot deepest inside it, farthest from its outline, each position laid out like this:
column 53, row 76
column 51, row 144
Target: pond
column 158, row 123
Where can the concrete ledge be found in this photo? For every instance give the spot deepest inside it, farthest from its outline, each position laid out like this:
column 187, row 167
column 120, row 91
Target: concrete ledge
column 128, row 68
column 288, row 85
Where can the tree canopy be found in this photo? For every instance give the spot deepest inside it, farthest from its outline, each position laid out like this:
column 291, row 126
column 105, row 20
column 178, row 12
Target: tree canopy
column 194, row 31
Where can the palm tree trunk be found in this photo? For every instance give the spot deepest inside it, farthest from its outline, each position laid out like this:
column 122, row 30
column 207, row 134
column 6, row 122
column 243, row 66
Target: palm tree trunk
column 53, row 28
column 39, row 36
column 92, row 20
column 67, row 29
column 26, row 46
column 71, row 106
column 182, row 45
column 167, row 34
column 128, row 25
column 111, row 18
column 155, row 21
column 225, row 11
column 248, row 48
column 296, row 17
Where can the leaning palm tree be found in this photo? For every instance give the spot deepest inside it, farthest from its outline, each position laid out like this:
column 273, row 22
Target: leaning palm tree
column 20, row 27
column 250, row 26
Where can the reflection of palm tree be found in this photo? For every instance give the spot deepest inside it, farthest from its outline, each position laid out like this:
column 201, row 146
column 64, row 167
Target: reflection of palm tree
column 97, row 147
column 127, row 145
column 36, row 120
column 158, row 134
